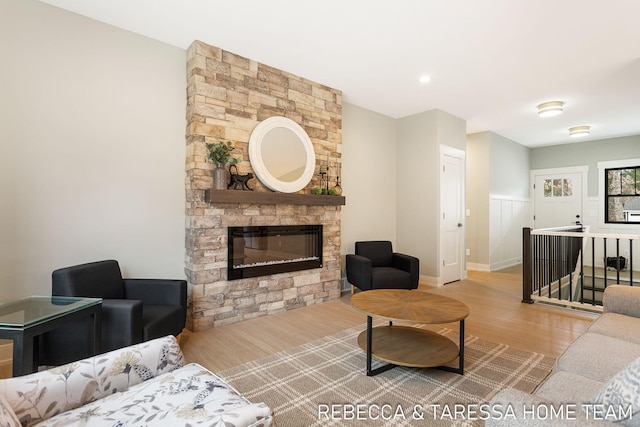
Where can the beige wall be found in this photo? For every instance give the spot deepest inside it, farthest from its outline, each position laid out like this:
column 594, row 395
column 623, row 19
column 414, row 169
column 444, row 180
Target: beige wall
column 391, row 180
column 477, row 199
column 93, row 146
column 92, row 143
column 369, row 176
column 497, row 198
column 418, row 184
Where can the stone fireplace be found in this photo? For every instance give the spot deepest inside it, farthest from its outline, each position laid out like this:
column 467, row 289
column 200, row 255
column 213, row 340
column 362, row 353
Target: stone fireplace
column 227, row 97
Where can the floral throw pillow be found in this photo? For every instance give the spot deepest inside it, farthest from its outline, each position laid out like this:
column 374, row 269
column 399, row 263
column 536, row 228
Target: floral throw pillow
column 620, row 397
column 43, row 394
column 7, row 416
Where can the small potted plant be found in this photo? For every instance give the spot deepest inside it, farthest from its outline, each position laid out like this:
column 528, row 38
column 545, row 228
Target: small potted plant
column 220, row 154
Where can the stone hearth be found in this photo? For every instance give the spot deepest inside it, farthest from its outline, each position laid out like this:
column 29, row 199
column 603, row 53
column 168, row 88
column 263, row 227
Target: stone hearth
column 228, row 96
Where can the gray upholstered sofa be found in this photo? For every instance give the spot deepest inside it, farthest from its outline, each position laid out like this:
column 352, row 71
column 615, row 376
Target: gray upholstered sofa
column 596, row 380
column 140, row 385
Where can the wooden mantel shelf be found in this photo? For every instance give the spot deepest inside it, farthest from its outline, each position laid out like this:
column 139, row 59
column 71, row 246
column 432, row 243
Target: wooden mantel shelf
column 271, row 198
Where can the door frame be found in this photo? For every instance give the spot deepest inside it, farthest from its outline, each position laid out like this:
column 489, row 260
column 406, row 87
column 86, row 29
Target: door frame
column 446, row 150
column 584, row 170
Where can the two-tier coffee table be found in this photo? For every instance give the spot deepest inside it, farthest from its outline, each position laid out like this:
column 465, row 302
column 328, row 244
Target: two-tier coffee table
column 406, row 345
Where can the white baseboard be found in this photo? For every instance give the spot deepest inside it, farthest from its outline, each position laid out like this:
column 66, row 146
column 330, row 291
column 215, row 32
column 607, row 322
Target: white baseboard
column 478, row 267
column 422, row 280
column 504, row 264
column 429, row 281
column 344, row 285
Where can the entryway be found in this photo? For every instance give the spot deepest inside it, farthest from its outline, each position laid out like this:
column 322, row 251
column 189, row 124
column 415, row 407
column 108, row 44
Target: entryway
column 558, row 196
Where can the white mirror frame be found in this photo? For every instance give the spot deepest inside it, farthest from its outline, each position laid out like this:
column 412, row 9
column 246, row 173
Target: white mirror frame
column 255, row 155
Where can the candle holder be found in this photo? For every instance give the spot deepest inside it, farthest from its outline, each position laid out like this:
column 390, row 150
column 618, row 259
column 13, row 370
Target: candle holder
column 324, row 178
column 338, row 187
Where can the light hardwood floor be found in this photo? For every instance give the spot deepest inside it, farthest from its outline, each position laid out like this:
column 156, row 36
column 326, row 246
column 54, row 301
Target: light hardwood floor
column 496, row 314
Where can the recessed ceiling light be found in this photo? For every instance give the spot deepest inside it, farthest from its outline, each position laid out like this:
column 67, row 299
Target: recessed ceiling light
column 578, row 131
column 551, row 108
column 424, row 79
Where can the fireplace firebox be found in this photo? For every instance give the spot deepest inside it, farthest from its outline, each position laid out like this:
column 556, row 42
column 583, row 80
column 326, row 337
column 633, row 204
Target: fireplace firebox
column 264, row 250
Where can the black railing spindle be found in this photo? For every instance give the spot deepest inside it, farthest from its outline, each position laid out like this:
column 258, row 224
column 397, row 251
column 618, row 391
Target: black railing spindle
column 631, row 262
column 604, row 241
column 527, row 266
column 617, row 261
column 552, row 256
column 593, row 271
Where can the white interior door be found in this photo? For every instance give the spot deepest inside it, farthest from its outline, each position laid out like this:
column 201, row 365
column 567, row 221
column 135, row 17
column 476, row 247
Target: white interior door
column 557, row 199
column 451, row 225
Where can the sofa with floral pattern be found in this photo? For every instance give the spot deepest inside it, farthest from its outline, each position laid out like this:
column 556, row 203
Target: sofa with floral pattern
column 141, row 385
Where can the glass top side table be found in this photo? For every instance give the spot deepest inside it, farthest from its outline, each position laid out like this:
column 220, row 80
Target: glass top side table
column 25, row 319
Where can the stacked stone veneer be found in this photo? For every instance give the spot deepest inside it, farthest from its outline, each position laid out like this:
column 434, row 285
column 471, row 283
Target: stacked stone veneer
column 228, row 96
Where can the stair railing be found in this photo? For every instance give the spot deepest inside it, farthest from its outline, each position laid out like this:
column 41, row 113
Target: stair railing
column 571, row 266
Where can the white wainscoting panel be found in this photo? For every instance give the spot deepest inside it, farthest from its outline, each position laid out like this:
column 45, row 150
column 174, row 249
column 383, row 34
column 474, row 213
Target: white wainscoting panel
column 507, row 218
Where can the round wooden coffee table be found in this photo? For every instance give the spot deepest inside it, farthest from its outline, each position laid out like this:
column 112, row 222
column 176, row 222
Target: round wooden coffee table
column 405, row 345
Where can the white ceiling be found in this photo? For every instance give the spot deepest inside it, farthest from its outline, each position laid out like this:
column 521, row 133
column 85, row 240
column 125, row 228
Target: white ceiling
column 491, row 61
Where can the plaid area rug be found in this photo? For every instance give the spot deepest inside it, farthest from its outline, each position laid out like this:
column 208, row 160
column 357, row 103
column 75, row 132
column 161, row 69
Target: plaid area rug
column 324, row 383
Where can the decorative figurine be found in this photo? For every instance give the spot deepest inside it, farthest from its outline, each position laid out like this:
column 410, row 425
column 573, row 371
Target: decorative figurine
column 238, row 180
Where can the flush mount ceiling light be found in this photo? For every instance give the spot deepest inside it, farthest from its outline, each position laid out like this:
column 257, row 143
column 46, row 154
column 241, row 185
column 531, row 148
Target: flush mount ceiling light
column 578, row 131
column 551, row 108
column 424, row 79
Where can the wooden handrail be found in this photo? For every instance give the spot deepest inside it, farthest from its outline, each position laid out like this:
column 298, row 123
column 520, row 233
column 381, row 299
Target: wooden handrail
column 527, row 266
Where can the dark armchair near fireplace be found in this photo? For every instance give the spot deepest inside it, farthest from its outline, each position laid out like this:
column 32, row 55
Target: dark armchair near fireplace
column 376, row 266
column 133, row 310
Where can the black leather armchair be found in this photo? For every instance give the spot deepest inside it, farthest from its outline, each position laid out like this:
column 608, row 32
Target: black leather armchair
column 133, row 310
column 376, row 266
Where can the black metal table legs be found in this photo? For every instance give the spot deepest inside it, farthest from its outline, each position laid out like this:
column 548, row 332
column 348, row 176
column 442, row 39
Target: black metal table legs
column 371, row 372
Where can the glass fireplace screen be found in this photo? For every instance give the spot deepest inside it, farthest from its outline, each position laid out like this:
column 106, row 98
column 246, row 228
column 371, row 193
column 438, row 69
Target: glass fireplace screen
column 265, row 250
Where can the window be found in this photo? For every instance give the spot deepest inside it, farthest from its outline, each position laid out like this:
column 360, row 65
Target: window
column 622, row 196
column 558, row 187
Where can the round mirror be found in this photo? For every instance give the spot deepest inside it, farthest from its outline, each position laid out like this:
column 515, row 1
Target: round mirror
column 282, row 155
